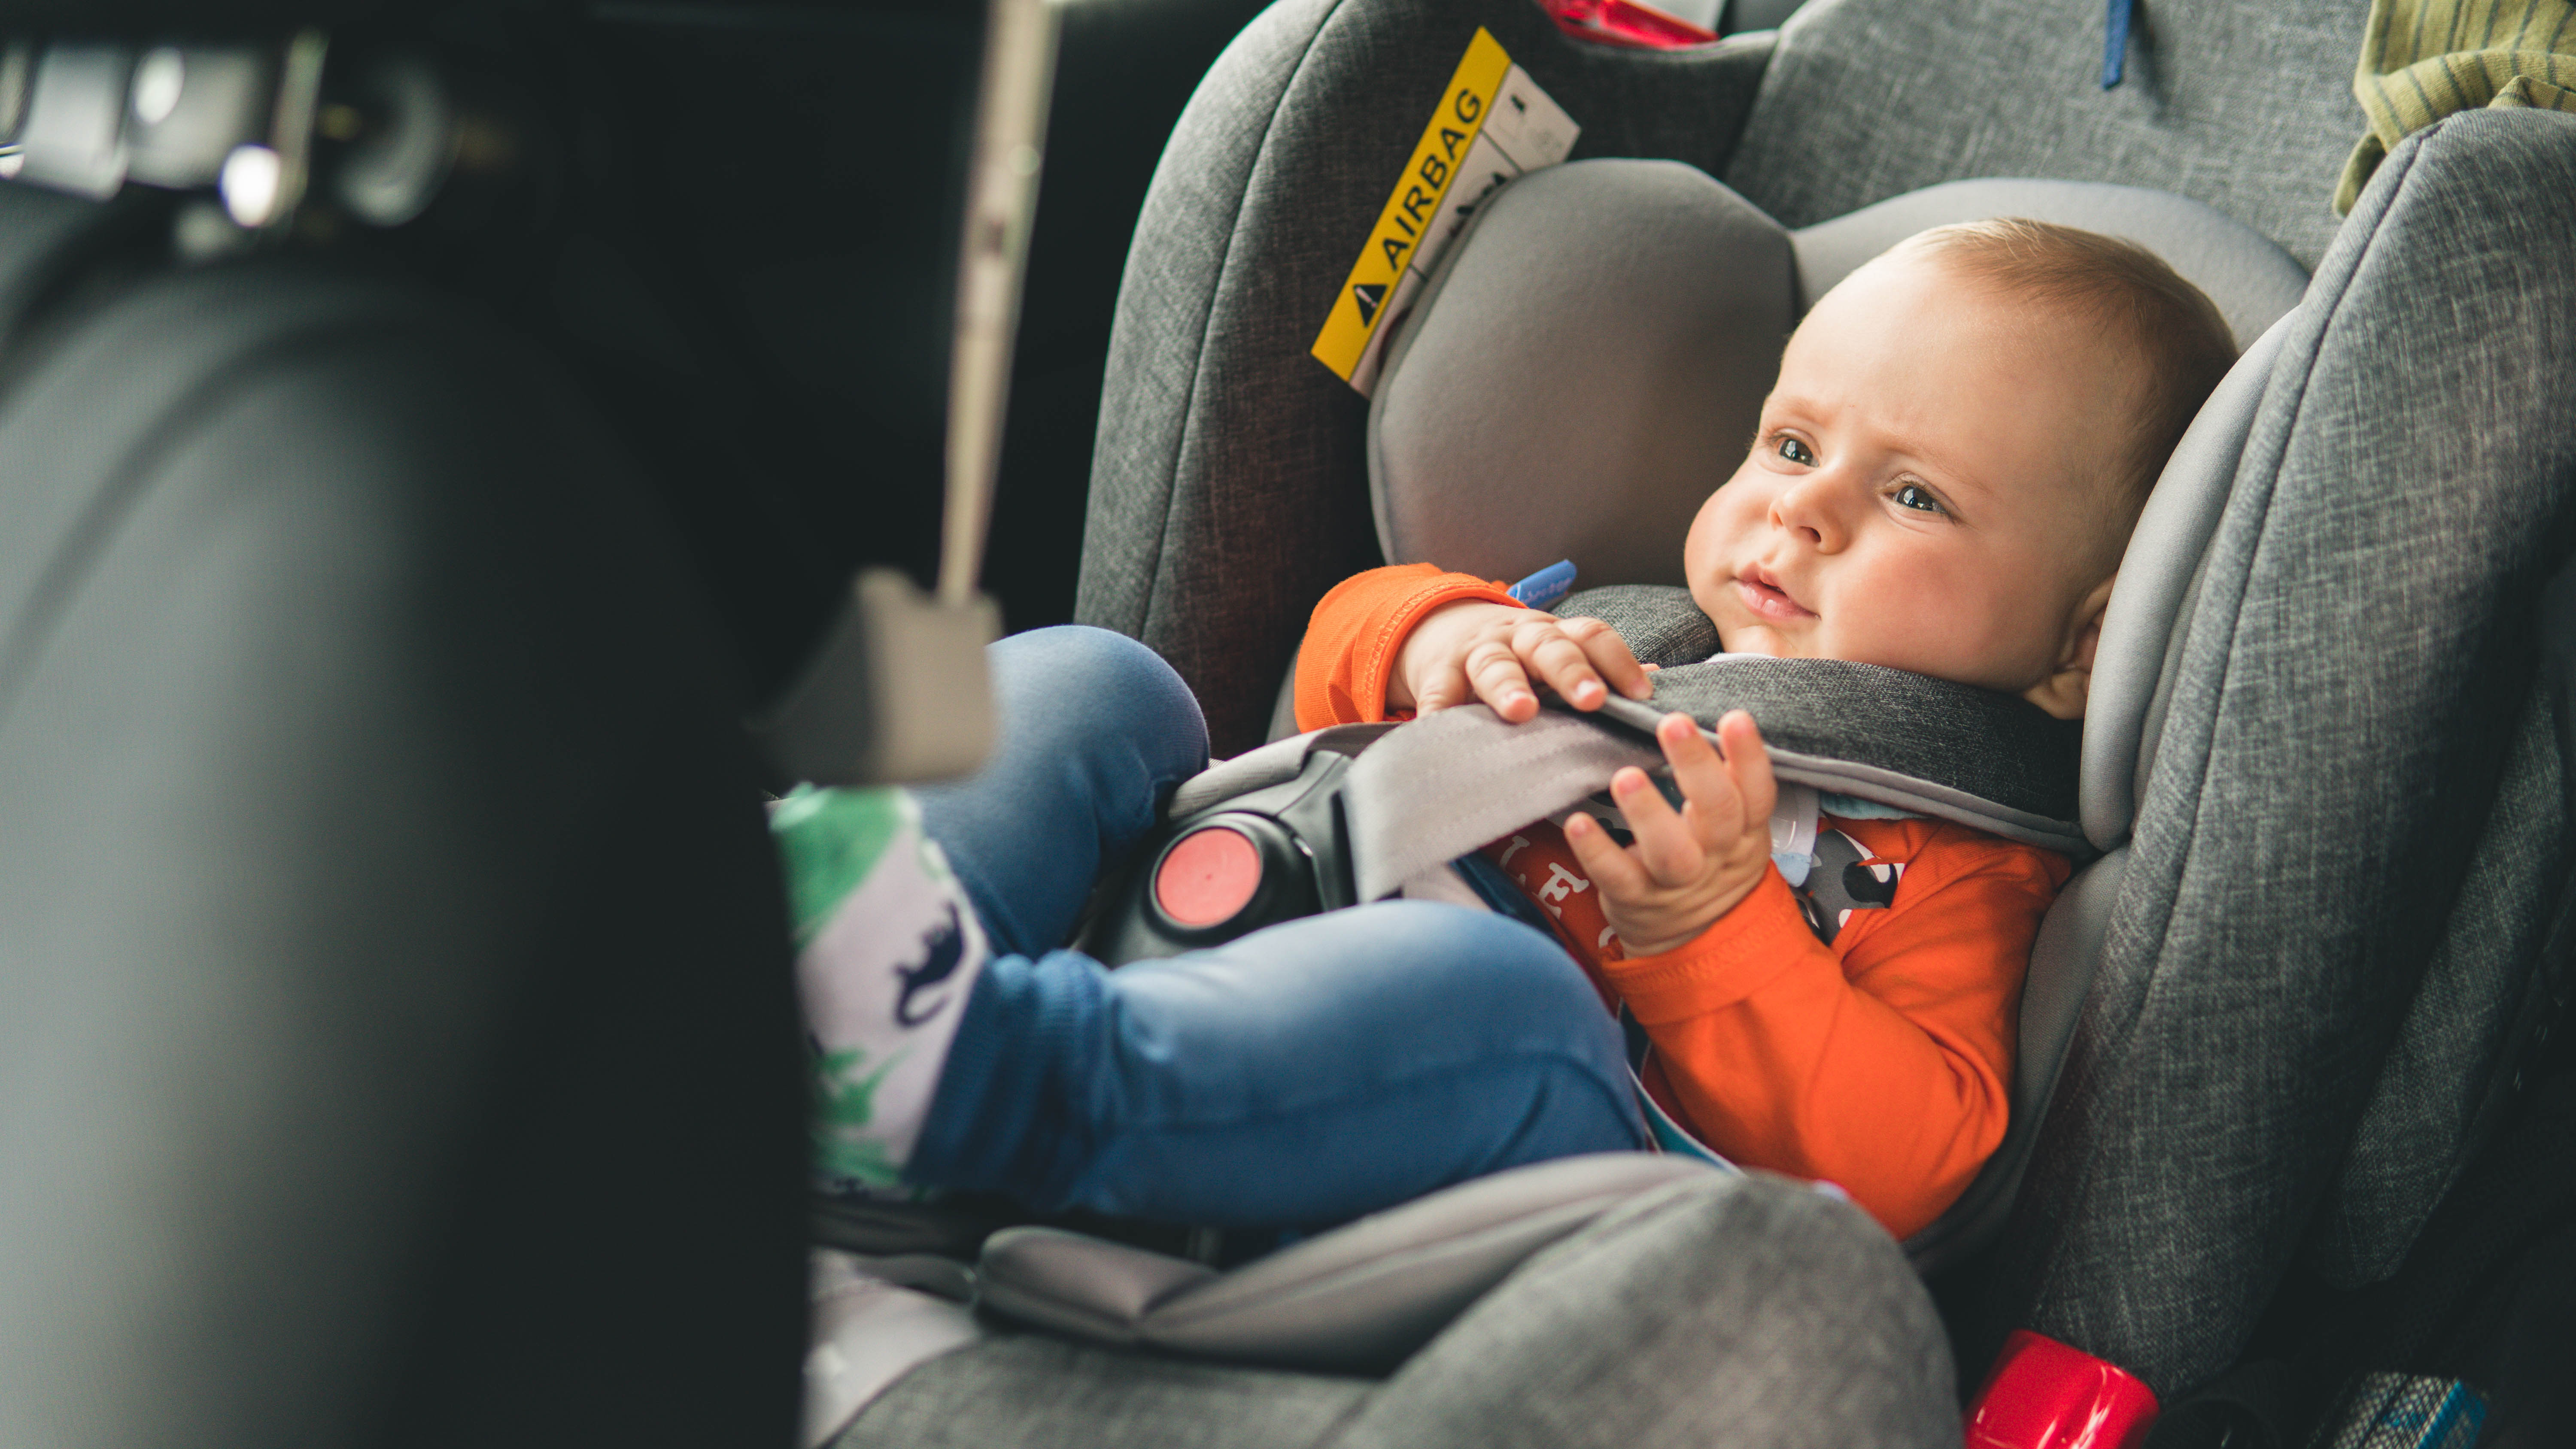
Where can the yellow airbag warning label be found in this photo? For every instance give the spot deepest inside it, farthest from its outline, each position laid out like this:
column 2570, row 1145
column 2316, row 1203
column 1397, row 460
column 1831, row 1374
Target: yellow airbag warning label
column 1492, row 123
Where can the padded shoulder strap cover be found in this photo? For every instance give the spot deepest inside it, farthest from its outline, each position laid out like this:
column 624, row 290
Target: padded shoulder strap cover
column 1961, row 753
column 1966, row 754
column 1440, row 786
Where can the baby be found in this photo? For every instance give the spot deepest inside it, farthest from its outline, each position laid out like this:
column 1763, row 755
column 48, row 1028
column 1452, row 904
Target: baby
column 1945, row 476
column 1944, row 480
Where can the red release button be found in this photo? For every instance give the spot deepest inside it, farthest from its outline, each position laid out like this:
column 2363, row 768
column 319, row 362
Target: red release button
column 1207, row 877
column 2042, row 1394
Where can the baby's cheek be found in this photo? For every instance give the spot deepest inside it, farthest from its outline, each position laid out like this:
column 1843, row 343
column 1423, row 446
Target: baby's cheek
column 1707, row 553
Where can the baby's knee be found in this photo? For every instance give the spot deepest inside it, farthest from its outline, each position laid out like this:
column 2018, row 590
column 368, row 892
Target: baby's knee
column 1518, row 972
column 1074, row 671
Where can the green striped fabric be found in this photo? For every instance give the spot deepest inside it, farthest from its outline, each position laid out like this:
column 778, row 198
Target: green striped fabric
column 2423, row 59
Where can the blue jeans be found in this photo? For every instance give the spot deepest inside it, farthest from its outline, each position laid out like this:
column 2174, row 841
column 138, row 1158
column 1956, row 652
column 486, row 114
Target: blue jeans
column 1300, row 1075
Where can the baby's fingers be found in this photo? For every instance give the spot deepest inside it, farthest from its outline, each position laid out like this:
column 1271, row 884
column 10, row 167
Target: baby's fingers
column 1614, row 870
column 1750, row 765
column 1551, row 654
column 1717, row 808
column 1495, row 673
column 1667, row 845
column 1610, row 654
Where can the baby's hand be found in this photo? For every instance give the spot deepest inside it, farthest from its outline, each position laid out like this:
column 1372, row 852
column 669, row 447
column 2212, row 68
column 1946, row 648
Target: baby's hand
column 1691, row 866
column 1475, row 650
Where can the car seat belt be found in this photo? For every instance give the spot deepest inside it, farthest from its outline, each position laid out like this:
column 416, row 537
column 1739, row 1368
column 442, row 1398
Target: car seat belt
column 1358, row 813
column 1445, row 784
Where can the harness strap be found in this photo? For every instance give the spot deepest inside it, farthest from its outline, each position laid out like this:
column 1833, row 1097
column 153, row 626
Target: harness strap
column 1448, row 782
column 1441, row 786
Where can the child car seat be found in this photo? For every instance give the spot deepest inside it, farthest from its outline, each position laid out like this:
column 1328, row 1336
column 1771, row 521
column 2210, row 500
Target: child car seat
column 1655, row 331
column 2299, row 1010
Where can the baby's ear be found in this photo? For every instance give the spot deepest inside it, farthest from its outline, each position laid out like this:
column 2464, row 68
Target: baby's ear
column 2064, row 692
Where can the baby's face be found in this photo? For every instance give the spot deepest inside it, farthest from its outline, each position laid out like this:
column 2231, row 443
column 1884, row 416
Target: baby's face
column 1931, row 489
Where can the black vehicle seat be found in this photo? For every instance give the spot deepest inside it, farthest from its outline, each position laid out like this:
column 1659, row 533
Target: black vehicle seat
column 2287, row 916
column 395, row 1012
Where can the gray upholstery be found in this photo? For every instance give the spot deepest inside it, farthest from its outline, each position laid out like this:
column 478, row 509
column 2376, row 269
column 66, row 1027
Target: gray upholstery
column 2133, row 666
column 2439, row 1088
column 1719, row 1312
column 1359, row 1299
column 1554, row 397
column 2339, row 735
column 44, row 235
column 868, row 1332
column 2350, row 693
column 1228, row 485
column 1644, row 614
column 2251, row 279
column 2061, row 976
column 2245, row 106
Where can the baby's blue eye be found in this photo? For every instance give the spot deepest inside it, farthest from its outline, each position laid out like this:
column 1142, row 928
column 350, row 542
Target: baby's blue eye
column 1797, row 452
column 1915, row 495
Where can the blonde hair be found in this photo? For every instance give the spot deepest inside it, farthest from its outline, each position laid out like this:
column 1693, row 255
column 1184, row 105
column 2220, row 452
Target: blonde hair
column 2181, row 343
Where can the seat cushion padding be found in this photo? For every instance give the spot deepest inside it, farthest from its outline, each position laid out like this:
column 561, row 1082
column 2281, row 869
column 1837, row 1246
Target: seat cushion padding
column 1357, row 1299
column 1718, row 1312
column 1587, row 364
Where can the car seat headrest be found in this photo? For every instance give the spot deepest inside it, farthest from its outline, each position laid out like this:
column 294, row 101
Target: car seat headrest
column 2252, row 280
column 1581, row 370
column 1590, row 357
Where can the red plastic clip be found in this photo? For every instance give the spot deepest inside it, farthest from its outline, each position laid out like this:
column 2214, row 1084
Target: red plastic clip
column 1624, row 22
column 2045, row 1395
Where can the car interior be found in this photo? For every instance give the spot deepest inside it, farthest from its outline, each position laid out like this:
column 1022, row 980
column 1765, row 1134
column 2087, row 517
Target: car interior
column 459, row 459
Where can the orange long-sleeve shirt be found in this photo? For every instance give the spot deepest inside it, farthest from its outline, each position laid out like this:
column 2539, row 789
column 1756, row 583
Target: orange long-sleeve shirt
column 1881, row 1062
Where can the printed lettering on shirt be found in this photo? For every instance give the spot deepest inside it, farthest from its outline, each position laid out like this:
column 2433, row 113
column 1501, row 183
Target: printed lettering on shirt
column 1560, row 884
column 1519, row 844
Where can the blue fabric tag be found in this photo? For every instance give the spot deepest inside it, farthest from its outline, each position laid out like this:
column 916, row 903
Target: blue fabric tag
column 1541, row 590
column 2115, row 41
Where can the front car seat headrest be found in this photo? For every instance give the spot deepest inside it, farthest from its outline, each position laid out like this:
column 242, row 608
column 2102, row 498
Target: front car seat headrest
column 1589, row 359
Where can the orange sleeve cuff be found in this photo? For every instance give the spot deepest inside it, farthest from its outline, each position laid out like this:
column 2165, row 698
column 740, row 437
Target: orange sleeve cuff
column 1739, row 954
column 1352, row 640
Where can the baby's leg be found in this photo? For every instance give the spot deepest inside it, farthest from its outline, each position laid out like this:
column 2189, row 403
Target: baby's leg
column 1095, row 730
column 1305, row 1074
column 899, row 896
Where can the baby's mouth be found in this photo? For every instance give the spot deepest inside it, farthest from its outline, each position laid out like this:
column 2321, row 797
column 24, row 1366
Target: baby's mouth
column 1764, row 596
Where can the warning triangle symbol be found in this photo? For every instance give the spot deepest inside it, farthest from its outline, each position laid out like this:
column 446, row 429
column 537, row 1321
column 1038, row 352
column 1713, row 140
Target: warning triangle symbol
column 1368, row 295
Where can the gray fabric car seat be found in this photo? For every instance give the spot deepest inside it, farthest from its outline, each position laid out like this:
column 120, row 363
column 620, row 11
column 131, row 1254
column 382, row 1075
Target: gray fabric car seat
column 394, row 998
column 1228, row 480
column 1712, row 1310
column 2340, row 795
